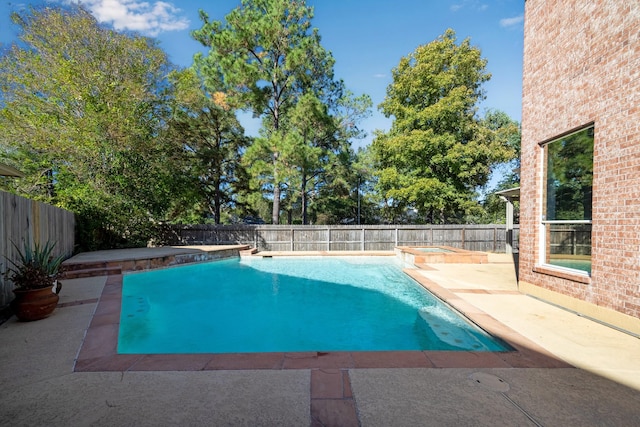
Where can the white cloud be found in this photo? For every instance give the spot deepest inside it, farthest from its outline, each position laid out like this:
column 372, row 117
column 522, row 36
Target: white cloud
column 511, row 22
column 380, row 76
column 469, row 4
column 135, row 15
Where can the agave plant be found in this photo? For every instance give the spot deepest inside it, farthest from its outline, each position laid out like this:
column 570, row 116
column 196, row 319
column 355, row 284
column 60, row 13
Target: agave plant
column 35, row 268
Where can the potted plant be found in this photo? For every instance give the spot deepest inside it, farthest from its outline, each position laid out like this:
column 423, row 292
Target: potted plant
column 35, row 275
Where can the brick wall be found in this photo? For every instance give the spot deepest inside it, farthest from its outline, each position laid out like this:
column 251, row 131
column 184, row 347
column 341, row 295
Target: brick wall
column 582, row 65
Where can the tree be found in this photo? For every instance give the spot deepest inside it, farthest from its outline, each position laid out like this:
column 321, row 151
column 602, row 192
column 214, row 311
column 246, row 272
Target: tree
column 438, row 152
column 347, row 195
column 267, row 56
column 340, row 181
column 212, row 141
column 82, row 109
column 509, row 130
column 313, row 133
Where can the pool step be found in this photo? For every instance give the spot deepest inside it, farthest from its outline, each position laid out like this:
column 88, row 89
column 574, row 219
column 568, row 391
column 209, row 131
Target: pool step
column 74, row 268
column 423, row 266
column 76, row 271
column 248, row 252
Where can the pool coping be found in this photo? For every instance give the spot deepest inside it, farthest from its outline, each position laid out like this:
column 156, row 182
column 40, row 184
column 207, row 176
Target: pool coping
column 98, row 351
column 450, row 255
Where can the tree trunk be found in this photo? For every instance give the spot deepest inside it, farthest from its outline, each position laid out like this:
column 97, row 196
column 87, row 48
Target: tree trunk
column 275, row 213
column 303, row 198
column 216, row 202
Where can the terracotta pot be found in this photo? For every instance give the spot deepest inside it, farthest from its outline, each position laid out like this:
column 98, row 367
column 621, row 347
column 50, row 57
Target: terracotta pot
column 34, row 304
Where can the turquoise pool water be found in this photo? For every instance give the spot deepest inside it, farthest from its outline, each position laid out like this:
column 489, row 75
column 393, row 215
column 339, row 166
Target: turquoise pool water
column 288, row 305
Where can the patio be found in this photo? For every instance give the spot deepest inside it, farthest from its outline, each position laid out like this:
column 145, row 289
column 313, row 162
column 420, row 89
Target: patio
column 40, row 384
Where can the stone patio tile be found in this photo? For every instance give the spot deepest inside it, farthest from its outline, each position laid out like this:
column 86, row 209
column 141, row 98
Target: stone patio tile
column 327, row 384
column 465, row 359
column 171, row 362
column 245, row 361
column 105, row 319
column 108, row 306
column 391, row 359
column 115, row 362
column 100, row 341
column 334, row 412
column 529, row 358
column 311, row 360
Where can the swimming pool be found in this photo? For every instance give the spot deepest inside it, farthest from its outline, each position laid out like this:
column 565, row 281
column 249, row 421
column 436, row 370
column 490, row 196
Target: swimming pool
column 288, row 304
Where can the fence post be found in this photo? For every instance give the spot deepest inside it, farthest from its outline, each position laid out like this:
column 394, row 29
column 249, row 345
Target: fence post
column 421, row 235
column 495, row 238
column 328, row 239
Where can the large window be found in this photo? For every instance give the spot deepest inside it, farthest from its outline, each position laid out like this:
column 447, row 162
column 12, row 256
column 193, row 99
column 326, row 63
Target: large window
column 566, row 219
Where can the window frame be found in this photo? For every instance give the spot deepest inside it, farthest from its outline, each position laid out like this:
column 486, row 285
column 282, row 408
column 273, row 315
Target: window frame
column 544, row 265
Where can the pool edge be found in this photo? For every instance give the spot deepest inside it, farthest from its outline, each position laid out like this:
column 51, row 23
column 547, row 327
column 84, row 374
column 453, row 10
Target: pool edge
column 98, row 351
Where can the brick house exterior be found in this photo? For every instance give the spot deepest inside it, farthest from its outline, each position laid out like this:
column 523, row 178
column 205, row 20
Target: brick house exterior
column 582, row 68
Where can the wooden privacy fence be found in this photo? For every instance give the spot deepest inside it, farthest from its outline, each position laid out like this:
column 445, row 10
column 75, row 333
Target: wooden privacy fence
column 27, row 221
column 574, row 239
column 488, row 238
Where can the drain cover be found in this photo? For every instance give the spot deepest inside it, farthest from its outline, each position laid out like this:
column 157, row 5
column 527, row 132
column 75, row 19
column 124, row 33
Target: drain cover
column 490, row 381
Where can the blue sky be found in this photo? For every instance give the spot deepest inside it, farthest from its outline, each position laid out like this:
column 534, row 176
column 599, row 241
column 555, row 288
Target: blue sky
column 367, row 38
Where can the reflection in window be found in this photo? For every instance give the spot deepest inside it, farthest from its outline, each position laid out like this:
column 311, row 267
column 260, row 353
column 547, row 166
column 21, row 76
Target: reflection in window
column 567, row 201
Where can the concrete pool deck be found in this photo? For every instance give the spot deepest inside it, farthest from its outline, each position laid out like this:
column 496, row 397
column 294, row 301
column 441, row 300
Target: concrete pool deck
column 39, row 365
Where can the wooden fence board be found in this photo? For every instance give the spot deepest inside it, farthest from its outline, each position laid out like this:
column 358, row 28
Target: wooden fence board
column 28, row 221
column 489, row 238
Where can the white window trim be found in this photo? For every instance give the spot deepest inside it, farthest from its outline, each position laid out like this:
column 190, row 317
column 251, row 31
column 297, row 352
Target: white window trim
column 542, row 232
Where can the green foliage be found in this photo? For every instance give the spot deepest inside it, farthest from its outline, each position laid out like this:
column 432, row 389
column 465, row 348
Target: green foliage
column 267, row 57
column 338, row 191
column 104, row 126
column 82, row 112
column 569, row 176
column 437, row 152
column 507, row 130
column 313, row 142
column 36, row 267
column 494, row 208
column 347, row 194
column 211, row 141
